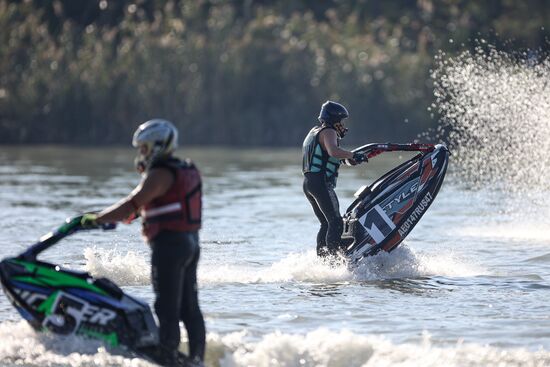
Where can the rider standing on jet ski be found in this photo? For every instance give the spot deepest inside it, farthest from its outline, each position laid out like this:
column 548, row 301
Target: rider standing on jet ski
column 168, row 199
column 321, row 160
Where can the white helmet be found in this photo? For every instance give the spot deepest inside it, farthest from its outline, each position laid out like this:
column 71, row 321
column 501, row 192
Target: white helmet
column 155, row 138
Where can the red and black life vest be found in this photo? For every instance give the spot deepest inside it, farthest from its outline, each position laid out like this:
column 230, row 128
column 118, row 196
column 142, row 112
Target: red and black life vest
column 180, row 208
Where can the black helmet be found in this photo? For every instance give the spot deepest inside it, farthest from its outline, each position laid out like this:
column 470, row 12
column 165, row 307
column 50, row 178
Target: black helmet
column 332, row 113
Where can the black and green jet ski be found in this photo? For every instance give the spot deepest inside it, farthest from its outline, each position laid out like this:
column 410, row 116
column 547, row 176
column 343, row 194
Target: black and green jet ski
column 68, row 302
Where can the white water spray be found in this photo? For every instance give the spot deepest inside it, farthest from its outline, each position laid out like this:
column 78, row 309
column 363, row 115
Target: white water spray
column 495, row 109
column 130, row 268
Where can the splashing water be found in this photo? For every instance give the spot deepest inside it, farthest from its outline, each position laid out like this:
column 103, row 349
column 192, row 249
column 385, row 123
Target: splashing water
column 320, row 347
column 300, row 267
column 495, row 111
column 21, row 345
column 130, row 268
column 404, row 262
column 133, row 269
column 308, row 268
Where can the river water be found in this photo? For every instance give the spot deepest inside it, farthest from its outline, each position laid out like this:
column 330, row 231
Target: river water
column 469, row 286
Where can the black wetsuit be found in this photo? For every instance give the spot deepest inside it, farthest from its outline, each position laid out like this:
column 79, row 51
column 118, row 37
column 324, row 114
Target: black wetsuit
column 175, row 255
column 320, row 173
column 174, row 272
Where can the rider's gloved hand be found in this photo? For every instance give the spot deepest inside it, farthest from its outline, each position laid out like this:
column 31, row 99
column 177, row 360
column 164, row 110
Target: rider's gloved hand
column 89, row 220
column 360, row 157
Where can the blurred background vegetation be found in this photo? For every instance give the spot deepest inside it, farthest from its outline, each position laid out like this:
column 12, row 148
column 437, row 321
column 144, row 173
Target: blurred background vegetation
column 238, row 72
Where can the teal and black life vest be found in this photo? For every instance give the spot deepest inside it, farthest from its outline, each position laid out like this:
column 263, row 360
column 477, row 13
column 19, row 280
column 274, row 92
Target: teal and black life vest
column 315, row 158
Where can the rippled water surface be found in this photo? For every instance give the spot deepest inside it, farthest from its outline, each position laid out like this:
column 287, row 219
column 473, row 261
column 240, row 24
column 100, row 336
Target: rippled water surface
column 470, row 286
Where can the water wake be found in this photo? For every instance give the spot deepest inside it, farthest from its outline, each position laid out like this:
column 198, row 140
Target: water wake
column 132, row 268
column 321, row 347
column 307, row 267
column 21, row 345
column 404, row 262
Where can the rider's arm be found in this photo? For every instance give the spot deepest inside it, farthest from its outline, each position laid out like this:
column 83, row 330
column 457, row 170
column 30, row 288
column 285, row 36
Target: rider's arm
column 329, row 141
column 153, row 185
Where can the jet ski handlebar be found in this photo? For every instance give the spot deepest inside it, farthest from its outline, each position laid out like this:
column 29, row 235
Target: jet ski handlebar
column 70, row 226
column 374, row 149
column 393, row 147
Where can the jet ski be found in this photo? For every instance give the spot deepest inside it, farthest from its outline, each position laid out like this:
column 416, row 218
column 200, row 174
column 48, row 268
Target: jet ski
column 67, row 302
column 386, row 211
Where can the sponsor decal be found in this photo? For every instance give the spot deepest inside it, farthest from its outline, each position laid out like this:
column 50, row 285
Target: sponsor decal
column 65, row 313
column 377, row 223
column 415, row 215
column 68, row 312
column 31, row 298
column 409, row 189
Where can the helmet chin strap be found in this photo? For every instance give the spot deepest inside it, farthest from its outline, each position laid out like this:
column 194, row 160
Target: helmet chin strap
column 341, row 131
column 142, row 162
column 140, row 165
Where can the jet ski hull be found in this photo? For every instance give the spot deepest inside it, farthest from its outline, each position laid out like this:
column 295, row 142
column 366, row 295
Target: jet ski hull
column 70, row 302
column 385, row 212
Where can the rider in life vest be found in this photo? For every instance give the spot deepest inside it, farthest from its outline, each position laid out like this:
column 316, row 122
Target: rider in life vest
column 168, row 199
column 179, row 209
column 321, row 156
